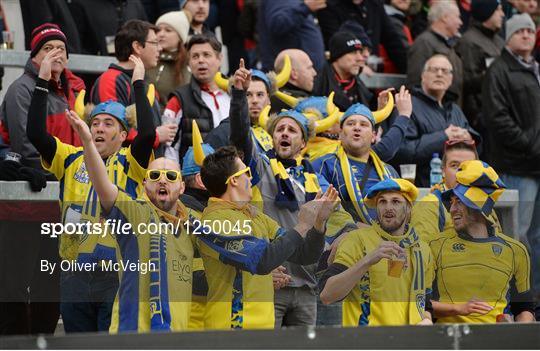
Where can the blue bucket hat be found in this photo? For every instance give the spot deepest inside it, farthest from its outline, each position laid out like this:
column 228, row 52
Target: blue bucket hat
column 357, row 109
column 112, row 108
column 189, row 166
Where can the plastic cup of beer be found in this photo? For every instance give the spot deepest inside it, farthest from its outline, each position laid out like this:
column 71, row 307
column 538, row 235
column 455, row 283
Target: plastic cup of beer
column 408, row 172
column 395, row 266
column 7, row 40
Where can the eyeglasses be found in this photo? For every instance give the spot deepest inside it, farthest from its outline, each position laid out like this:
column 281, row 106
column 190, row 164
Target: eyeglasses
column 155, row 43
column 155, row 174
column 239, row 173
column 445, row 71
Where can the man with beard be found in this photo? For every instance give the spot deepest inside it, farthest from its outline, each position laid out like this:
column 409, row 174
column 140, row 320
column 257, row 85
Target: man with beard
column 482, row 275
column 200, row 9
column 157, row 298
column 375, row 267
column 283, row 181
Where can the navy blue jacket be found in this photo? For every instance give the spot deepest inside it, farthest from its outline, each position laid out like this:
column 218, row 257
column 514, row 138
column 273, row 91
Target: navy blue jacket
column 425, row 134
column 286, row 24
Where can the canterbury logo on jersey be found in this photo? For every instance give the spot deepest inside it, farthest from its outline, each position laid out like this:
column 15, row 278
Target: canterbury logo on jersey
column 458, row 247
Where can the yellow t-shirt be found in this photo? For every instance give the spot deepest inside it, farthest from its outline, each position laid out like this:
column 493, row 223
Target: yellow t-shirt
column 79, row 203
column 378, row 299
column 160, row 295
column 429, row 216
column 236, row 299
column 469, row 268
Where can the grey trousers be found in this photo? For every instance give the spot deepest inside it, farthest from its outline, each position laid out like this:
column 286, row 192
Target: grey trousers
column 295, row 306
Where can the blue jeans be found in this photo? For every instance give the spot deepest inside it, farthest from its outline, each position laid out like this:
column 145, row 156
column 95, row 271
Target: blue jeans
column 87, row 300
column 528, row 218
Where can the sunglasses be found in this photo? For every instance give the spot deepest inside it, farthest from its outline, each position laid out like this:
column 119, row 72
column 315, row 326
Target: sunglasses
column 239, row 173
column 155, row 174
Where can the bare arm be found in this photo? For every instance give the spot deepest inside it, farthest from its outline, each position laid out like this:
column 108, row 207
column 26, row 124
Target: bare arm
column 106, row 190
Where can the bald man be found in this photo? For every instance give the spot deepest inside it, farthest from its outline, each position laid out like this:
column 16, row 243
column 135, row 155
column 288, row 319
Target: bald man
column 152, row 248
column 300, row 83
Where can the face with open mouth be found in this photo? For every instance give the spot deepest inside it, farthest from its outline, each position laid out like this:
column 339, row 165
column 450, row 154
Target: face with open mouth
column 288, row 138
column 204, row 62
column 163, row 192
column 107, row 133
column 357, row 135
column 393, row 211
column 462, row 216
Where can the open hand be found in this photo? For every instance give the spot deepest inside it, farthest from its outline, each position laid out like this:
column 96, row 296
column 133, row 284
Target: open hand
column 79, row 126
column 138, row 71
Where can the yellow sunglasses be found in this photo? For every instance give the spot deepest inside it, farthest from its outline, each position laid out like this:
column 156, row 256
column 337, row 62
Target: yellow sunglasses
column 155, row 174
column 239, row 173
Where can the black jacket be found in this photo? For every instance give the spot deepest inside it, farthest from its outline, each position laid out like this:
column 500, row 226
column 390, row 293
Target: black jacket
column 371, row 15
column 98, row 19
column 478, row 45
column 326, row 82
column 425, row 134
column 193, row 108
column 426, row 45
column 511, row 113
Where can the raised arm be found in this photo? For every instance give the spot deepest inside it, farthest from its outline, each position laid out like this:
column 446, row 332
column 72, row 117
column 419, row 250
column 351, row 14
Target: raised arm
column 240, row 135
column 106, row 190
column 36, row 127
column 141, row 147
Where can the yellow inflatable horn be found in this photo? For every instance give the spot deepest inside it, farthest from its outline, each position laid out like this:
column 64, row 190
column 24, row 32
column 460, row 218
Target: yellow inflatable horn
column 290, row 100
column 151, row 94
column 333, row 116
column 196, row 139
column 383, row 113
column 263, row 117
column 79, row 104
column 283, row 77
column 221, row 82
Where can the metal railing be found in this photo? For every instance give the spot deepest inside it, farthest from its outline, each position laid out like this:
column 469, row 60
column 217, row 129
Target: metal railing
column 506, row 206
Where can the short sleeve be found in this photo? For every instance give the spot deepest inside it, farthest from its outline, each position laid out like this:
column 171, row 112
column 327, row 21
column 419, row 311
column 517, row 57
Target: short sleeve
column 65, row 154
column 522, row 264
column 350, row 250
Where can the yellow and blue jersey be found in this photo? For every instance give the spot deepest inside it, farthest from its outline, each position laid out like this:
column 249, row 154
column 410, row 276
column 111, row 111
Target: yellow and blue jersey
column 237, row 298
column 79, row 202
column 482, row 269
column 378, row 299
column 159, row 298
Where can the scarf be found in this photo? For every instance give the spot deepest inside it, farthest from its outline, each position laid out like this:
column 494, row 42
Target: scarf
column 264, row 140
column 410, row 241
column 160, row 314
column 285, row 197
column 243, row 252
column 353, row 188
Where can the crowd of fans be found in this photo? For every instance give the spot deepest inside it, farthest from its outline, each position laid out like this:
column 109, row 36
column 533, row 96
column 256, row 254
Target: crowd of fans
column 280, row 182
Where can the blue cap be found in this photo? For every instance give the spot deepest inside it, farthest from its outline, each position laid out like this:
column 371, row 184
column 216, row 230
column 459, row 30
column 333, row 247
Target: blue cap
column 113, row 108
column 313, row 104
column 357, row 109
column 260, row 74
column 189, row 167
column 302, row 121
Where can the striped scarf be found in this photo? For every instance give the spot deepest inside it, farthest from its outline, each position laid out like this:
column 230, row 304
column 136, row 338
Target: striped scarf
column 285, row 197
column 353, row 188
column 160, row 313
column 410, row 241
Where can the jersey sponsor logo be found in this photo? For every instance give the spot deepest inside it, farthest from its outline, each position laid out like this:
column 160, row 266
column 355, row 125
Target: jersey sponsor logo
column 458, row 247
column 497, row 249
column 235, row 246
column 82, row 175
